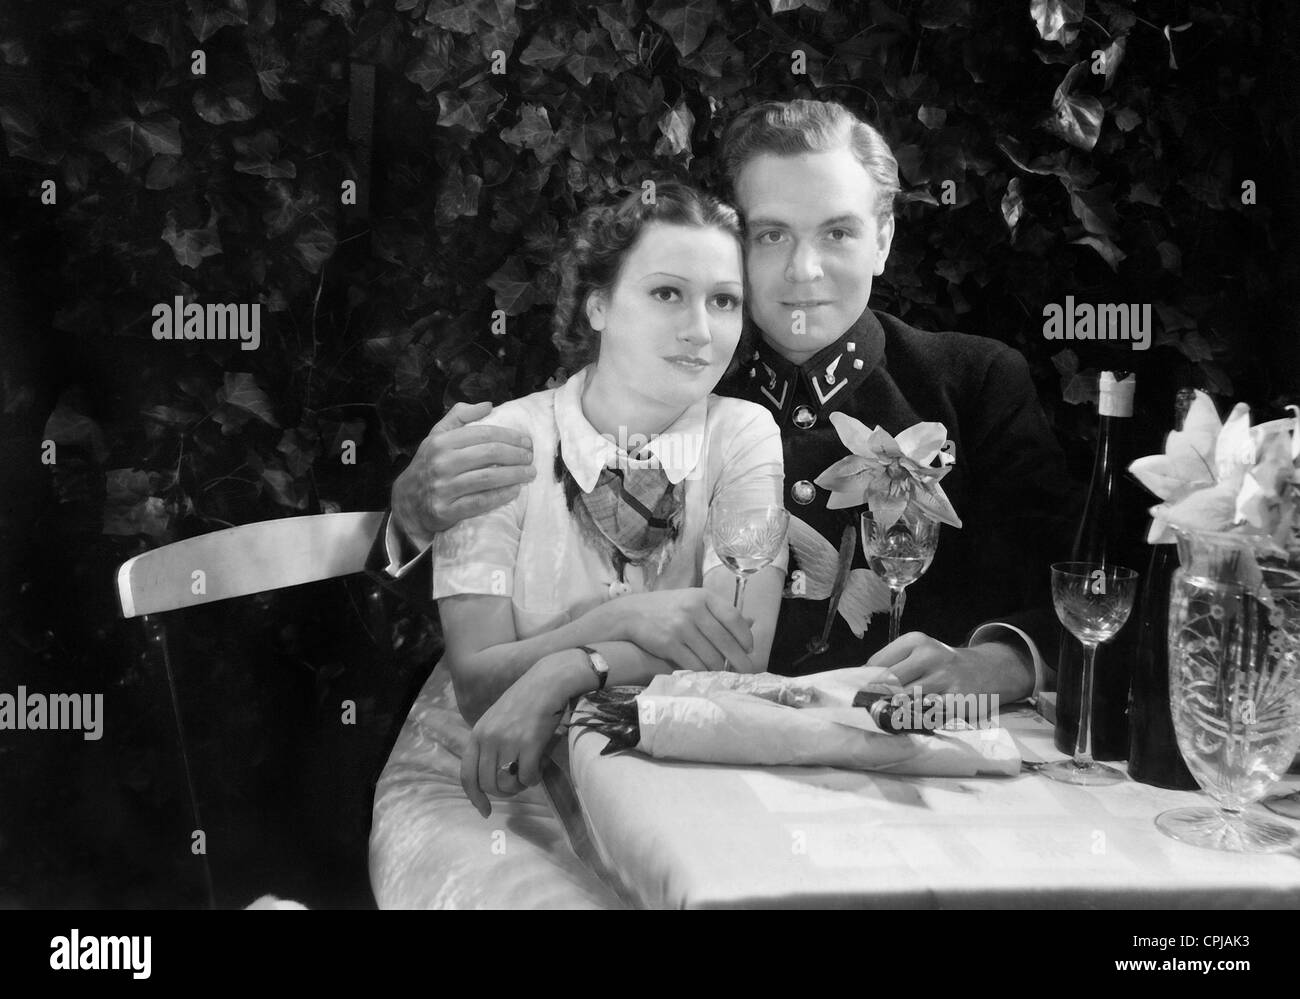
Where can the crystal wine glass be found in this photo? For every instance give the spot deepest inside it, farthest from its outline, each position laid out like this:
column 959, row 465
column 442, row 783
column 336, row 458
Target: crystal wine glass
column 746, row 538
column 1234, row 692
column 899, row 554
column 1093, row 600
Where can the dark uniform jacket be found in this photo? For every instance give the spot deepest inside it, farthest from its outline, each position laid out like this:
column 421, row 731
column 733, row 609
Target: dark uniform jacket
column 1009, row 484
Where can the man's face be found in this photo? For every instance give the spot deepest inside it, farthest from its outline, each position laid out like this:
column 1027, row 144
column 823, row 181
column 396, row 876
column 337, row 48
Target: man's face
column 670, row 324
column 813, row 246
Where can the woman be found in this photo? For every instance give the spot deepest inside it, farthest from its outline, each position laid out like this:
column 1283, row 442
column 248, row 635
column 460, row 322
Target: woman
column 579, row 573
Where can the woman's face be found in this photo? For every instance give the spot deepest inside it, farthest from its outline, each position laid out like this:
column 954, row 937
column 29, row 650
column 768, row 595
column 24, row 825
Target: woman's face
column 671, row 322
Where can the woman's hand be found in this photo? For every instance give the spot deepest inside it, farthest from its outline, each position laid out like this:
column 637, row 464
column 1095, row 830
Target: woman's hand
column 519, row 726
column 690, row 628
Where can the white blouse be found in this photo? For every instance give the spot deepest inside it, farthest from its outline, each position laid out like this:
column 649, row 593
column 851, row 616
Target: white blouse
column 531, row 548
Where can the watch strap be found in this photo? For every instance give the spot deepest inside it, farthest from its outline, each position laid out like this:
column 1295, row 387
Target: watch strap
column 598, row 665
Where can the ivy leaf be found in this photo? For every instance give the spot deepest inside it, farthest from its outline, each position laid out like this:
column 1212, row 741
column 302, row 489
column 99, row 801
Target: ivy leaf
column 513, row 286
column 617, row 21
column 1053, row 18
column 23, row 135
column 257, row 156
column 715, row 56
column 433, row 65
column 543, row 53
column 1109, row 252
column 192, row 246
column 165, row 172
column 1111, row 57
column 1126, row 119
column 471, row 110
column 130, row 144
column 240, row 390
column 1013, row 204
column 533, row 131
column 498, row 13
column 459, row 196
column 1094, row 208
column 285, row 489
column 685, row 21
column 68, row 427
column 207, row 17
column 315, row 243
column 932, row 117
column 676, row 126
column 236, row 97
column 591, row 55
column 269, row 65
column 591, row 136
column 1075, row 118
column 459, row 19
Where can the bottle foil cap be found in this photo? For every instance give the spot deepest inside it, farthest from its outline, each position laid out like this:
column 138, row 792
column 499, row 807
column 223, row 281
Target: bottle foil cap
column 1115, row 397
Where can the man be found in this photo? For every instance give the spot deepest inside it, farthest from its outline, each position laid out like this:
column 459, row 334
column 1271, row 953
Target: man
column 816, row 186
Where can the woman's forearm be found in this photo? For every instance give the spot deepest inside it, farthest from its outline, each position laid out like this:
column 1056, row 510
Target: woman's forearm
column 494, row 669
column 567, row 673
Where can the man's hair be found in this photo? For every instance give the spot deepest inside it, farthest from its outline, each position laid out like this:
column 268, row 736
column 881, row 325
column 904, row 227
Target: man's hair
column 600, row 241
column 787, row 128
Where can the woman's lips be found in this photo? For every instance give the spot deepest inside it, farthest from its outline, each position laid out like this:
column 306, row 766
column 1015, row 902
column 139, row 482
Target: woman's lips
column 687, row 363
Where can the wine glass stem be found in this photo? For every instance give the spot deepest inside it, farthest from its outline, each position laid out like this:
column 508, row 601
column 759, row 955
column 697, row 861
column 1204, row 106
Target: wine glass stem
column 897, row 597
column 1083, row 738
column 739, row 601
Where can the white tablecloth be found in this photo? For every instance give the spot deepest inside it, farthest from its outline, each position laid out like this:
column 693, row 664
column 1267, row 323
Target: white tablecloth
column 684, row 835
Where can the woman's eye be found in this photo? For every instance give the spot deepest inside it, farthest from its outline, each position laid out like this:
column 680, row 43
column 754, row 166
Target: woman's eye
column 666, row 294
column 727, row 302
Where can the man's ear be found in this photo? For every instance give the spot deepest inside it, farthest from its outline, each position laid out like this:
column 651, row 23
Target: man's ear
column 596, row 306
column 884, row 239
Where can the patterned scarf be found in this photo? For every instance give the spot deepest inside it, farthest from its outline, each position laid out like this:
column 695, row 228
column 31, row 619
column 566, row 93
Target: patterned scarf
column 633, row 515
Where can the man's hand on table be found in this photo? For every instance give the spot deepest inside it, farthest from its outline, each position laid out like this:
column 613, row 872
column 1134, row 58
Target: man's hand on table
column 462, row 469
column 916, row 659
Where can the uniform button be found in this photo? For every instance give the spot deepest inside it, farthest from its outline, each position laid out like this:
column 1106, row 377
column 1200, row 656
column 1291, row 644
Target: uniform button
column 617, row 589
column 804, row 417
column 803, row 492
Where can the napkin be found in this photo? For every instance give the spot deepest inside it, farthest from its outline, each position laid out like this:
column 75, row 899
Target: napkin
column 807, row 721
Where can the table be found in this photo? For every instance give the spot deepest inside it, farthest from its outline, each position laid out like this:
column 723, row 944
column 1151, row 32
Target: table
column 685, row 835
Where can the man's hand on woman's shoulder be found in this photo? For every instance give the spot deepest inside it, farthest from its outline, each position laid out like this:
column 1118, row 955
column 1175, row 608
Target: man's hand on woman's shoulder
column 462, row 469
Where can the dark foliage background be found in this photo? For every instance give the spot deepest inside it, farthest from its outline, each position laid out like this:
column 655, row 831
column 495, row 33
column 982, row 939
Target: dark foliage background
column 1124, row 185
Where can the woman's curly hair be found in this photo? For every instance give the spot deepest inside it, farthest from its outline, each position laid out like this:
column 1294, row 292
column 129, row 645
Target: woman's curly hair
column 600, row 240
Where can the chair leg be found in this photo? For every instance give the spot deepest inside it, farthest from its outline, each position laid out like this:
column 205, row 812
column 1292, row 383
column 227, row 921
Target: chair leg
column 157, row 635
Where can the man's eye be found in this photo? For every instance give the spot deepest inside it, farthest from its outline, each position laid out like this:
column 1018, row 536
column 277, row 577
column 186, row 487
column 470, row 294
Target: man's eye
column 839, row 235
column 666, row 294
column 727, row 302
column 769, row 237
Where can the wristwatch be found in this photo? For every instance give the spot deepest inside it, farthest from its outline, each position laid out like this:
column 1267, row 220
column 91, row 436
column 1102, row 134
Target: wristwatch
column 598, row 665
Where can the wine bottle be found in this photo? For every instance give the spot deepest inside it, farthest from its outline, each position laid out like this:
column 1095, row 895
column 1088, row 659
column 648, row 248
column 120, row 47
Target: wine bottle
column 1107, row 535
column 1153, row 755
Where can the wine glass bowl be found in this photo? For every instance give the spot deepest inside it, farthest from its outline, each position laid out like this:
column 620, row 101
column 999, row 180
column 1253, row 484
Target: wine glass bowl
column 899, row 554
column 745, row 538
column 1093, row 600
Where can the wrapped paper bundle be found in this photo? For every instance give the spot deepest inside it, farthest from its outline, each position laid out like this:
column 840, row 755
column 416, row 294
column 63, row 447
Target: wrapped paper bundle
column 810, row 721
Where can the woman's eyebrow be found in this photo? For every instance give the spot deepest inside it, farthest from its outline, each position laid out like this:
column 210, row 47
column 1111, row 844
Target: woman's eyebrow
column 684, row 280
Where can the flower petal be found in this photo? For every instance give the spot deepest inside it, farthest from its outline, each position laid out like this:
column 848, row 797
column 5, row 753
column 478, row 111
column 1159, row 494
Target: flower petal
column 1234, row 451
column 846, row 468
column 922, row 441
column 1159, row 473
column 854, row 434
column 933, row 502
column 1210, row 509
column 886, row 510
